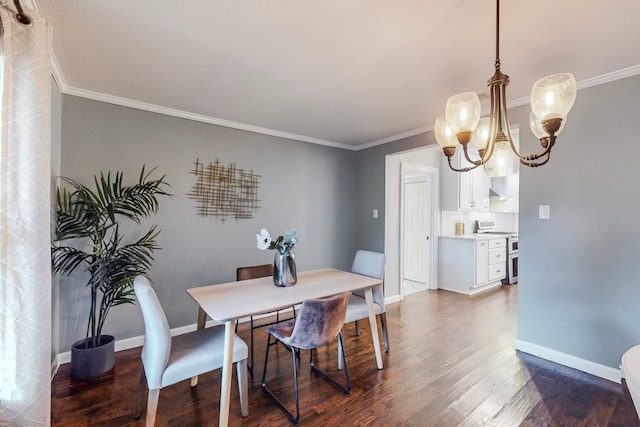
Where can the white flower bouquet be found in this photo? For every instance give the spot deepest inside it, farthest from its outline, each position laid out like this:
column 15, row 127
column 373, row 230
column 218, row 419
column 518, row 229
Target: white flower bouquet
column 283, row 244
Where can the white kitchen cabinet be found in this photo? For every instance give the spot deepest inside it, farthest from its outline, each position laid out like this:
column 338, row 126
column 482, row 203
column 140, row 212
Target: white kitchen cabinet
column 482, row 255
column 471, row 264
column 497, row 259
column 464, row 191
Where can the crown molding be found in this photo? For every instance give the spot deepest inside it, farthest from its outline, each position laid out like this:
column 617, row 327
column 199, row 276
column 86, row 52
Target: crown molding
column 67, row 89
column 125, row 102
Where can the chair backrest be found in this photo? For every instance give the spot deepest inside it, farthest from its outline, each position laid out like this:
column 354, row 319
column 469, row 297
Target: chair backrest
column 371, row 264
column 319, row 321
column 157, row 335
column 254, row 271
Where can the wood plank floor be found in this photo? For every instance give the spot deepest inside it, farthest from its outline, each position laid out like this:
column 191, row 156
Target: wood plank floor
column 452, row 363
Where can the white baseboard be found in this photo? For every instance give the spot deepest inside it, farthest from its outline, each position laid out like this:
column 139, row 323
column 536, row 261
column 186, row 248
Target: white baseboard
column 391, row 300
column 574, row 362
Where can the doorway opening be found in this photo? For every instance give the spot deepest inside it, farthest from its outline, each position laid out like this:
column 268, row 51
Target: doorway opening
column 417, row 162
column 417, row 227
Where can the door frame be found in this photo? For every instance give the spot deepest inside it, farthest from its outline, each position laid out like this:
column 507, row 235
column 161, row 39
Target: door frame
column 434, row 174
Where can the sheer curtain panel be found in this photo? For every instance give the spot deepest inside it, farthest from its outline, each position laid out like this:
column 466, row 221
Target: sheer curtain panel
column 25, row 209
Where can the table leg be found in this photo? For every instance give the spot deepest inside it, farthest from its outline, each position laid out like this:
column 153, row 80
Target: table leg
column 368, row 295
column 202, row 321
column 227, row 373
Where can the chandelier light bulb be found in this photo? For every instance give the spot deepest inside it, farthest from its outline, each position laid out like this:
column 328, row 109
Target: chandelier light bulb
column 503, row 162
column 553, row 96
column 463, row 112
column 444, row 134
column 480, row 136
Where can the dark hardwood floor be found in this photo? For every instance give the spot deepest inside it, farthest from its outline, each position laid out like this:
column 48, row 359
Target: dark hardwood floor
column 452, row 363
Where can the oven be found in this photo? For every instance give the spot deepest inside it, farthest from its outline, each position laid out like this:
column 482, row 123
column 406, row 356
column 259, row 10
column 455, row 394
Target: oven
column 512, row 259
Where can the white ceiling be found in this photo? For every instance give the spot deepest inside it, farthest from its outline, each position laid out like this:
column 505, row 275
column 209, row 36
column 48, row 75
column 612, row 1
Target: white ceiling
column 350, row 74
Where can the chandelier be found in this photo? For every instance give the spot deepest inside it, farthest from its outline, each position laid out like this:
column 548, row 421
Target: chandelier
column 551, row 99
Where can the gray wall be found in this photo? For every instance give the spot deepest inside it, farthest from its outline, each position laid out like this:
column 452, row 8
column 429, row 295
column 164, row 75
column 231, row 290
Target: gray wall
column 306, row 186
column 578, row 289
column 370, row 188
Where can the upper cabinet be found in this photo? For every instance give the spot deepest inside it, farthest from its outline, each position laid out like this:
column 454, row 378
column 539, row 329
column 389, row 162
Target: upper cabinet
column 464, row 191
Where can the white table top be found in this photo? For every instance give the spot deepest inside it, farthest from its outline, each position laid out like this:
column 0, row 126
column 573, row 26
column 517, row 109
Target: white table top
column 233, row 300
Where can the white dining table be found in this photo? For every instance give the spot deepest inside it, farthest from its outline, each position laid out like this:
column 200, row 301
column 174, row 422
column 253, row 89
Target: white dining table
column 227, row 302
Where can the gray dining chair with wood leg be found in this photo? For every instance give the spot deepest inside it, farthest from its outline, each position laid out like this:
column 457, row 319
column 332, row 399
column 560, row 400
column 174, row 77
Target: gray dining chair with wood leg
column 318, row 323
column 370, row 264
column 168, row 360
column 254, row 272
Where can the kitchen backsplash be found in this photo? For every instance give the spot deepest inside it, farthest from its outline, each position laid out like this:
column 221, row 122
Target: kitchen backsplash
column 504, row 221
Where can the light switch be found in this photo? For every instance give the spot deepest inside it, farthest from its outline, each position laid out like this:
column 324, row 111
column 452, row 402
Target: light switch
column 544, row 212
column 375, row 213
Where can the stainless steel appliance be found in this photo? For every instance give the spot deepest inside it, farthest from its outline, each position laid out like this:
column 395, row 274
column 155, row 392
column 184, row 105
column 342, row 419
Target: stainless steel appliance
column 486, row 226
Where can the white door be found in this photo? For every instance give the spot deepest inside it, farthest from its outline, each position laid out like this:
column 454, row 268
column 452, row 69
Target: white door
column 417, row 231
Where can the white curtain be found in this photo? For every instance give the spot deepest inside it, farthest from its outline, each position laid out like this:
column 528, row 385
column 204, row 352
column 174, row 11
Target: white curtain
column 25, row 209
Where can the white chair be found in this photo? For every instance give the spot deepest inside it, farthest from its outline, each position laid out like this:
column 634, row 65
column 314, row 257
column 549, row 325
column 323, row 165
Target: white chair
column 631, row 373
column 369, row 264
column 167, row 360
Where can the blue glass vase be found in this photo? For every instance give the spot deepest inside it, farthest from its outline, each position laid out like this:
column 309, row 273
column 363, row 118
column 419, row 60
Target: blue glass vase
column 284, row 269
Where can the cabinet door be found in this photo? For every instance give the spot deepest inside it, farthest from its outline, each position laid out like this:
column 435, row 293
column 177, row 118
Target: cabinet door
column 481, row 262
column 465, row 191
column 480, row 190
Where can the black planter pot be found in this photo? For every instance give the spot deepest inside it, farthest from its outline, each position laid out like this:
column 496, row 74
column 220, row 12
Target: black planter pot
column 93, row 361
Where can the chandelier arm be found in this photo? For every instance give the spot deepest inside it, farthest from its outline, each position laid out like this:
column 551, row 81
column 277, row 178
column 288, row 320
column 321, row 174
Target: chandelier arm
column 467, row 169
column 546, row 143
column 532, row 164
column 476, row 163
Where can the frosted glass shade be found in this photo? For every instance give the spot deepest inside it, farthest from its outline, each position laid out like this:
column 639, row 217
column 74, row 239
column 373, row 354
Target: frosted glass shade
column 463, row 112
column 481, row 134
column 503, row 162
column 444, row 134
column 553, row 96
column 536, row 126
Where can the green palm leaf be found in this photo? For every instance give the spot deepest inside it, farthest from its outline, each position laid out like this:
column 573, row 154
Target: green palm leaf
column 87, row 237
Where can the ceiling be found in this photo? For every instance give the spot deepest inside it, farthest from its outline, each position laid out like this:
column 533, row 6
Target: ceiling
column 349, row 74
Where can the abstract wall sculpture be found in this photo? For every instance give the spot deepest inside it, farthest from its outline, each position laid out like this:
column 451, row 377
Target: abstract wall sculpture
column 224, row 191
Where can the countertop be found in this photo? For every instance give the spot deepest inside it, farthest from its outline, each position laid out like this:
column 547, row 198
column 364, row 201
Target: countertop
column 473, row 236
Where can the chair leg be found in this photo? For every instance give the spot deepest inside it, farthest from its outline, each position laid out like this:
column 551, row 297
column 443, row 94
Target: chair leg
column 141, row 390
column 152, row 407
column 243, row 386
column 340, row 357
column 385, row 333
column 250, row 364
column 357, row 328
column 345, row 389
column 292, row 418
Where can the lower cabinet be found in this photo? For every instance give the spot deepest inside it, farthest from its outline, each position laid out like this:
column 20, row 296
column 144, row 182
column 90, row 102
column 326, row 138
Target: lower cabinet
column 469, row 265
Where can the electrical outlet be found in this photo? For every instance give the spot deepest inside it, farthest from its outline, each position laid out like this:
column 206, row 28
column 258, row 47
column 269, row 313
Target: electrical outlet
column 375, row 213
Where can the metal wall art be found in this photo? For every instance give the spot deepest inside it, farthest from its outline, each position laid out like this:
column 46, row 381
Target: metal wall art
column 225, row 191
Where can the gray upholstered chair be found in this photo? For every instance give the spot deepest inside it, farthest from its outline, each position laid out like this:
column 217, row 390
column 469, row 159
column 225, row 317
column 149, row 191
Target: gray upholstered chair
column 318, row 323
column 254, row 272
column 369, row 264
column 167, row 360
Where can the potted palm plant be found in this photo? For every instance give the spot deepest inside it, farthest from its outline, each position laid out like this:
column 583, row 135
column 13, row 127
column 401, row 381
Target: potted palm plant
column 88, row 238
